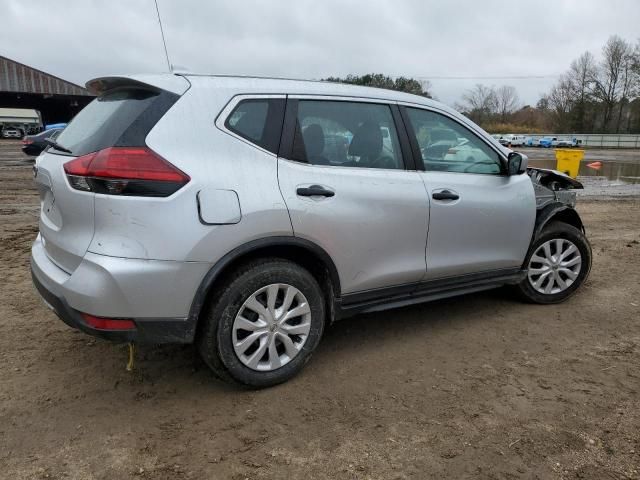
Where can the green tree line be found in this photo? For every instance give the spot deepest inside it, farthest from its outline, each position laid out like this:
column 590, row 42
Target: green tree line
column 595, row 95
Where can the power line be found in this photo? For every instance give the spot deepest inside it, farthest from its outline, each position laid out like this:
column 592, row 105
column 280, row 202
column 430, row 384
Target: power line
column 488, row 77
column 166, row 53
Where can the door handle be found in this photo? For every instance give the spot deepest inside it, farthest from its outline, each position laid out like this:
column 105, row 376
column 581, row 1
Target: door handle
column 445, row 195
column 314, row 190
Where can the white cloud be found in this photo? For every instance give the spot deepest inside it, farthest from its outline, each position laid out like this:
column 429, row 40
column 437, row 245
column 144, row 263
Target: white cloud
column 80, row 39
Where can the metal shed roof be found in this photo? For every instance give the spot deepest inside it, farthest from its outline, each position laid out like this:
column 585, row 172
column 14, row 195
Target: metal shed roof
column 22, row 115
column 20, row 78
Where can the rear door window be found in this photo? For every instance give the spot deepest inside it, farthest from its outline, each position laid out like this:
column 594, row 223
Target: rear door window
column 259, row 121
column 346, row 134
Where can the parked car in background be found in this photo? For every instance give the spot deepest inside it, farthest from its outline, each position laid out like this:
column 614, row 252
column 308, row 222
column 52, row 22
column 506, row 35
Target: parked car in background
column 567, row 142
column 512, row 140
column 548, row 142
column 11, row 133
column 530, row 142
column 245, row 215
column 58, row 126
column 34, row 144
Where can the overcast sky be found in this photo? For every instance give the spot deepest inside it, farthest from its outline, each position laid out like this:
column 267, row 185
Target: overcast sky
column 81, row 39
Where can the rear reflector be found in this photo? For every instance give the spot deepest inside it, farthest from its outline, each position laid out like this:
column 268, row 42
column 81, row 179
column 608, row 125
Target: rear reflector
column 102, row 323
column 135, row 171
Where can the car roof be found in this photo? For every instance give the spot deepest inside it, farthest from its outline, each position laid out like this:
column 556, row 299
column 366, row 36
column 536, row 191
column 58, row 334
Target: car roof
column 179, row 83
column 299, row 86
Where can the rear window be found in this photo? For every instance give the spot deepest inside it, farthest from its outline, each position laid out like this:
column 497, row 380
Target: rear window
column 259, row 121
column 117, row 118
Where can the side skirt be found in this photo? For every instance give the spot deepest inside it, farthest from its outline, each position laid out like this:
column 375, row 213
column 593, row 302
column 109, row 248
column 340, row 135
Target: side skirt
column 403, row 295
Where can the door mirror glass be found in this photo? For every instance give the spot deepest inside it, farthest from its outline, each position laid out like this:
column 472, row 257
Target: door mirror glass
column 517, row 163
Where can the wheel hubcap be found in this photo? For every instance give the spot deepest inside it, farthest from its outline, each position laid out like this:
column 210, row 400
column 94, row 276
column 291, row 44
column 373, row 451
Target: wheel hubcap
column 271, row 327
column 554, row 266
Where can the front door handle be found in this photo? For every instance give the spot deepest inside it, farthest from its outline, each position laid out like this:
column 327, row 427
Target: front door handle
column 445, row 195
column 314, row 190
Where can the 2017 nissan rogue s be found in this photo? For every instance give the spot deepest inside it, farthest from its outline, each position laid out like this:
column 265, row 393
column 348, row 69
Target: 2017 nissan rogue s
column 247, row 214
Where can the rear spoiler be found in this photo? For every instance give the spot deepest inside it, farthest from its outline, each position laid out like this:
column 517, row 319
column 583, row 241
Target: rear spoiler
column 171, row 83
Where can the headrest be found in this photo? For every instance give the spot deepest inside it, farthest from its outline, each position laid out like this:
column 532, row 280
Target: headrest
column 313, row 140
column 367, row 141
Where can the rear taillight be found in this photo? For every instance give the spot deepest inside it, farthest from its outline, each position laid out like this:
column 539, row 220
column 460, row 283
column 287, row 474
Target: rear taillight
column 26, row 141
column 136, row 171
column 452, row 151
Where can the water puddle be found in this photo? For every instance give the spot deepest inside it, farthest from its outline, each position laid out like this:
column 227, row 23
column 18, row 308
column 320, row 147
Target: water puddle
column 619, row 172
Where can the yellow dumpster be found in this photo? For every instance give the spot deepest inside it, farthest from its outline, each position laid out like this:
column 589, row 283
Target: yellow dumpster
column 568, row 161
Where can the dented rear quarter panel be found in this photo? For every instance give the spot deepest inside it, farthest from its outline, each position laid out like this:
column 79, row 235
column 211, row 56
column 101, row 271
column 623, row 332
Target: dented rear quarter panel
column 170, row 228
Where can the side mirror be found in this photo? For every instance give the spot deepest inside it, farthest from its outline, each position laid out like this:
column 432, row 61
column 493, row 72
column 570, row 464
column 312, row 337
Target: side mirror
column 517, row 163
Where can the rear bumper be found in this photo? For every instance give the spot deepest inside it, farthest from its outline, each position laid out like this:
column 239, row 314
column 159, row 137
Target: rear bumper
column 156, row 295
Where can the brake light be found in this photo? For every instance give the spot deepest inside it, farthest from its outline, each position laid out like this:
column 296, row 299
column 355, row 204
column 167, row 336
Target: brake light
column 137, row 171
column 452, row 151
column 102, row 323
column 26, row 141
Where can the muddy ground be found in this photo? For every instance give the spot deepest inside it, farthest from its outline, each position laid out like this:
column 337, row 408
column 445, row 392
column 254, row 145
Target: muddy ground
column 476, row 387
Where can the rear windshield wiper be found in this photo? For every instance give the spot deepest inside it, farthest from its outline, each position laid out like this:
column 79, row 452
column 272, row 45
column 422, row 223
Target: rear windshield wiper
column 56, row 145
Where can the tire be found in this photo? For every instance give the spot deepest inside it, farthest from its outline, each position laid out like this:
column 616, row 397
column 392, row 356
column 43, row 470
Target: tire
column 221, row 332
column 557, row 233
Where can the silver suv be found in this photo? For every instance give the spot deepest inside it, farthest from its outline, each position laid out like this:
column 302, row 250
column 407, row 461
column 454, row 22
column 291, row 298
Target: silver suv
column 247, row 214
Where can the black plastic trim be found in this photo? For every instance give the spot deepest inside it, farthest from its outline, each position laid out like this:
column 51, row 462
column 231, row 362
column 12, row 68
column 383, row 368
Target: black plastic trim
column 314, row 190
column 413, row 139
column 392, row 297
column 136, row 133
column 242, row 250
column 403, row 136
column 288, row 129
column 546, row 214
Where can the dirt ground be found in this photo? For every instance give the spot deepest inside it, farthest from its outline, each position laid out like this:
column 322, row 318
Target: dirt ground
column 476, row 387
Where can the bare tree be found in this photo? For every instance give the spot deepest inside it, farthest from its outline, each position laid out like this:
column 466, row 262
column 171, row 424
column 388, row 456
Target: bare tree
column 479, row 102
column 507, row 101
column 582, row 75
column 561, row 100
column 629, row 82
column 609, row 82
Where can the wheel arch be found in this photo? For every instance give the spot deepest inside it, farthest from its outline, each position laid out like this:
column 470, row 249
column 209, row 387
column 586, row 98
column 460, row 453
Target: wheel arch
column 303, row 252
column 557, row 212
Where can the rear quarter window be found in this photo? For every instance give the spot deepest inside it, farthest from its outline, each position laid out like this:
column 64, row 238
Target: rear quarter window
column 258, row 121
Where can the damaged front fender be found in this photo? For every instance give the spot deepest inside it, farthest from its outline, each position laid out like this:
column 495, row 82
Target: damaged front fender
column 555, row 198
column 551, row 186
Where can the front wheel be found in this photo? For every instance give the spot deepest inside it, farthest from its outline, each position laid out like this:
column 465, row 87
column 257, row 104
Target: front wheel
column 265, row 324
column 558, row 263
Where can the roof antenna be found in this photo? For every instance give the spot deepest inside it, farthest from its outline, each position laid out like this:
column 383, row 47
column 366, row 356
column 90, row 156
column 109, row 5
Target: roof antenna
column 163, row 40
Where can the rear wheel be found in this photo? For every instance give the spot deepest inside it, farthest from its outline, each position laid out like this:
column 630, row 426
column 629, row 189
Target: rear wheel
column 265, row 324
column 558, row 263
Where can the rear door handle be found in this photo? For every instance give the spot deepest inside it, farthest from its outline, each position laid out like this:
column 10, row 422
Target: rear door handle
column 445, row 195
column 314, row 190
